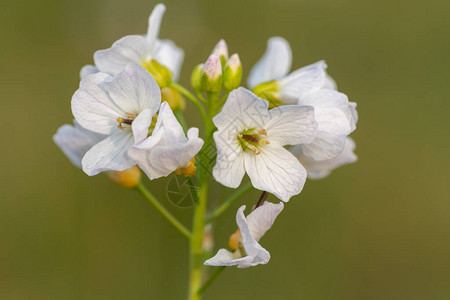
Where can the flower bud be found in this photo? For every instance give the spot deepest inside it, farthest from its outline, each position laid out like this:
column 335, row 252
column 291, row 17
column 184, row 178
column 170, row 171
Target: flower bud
column 173, row 97
column 128, row 178
column 160, row 73
column 187, row 170
column 211, row 80
column 232, row 73
column 235, row 239
column 221, row 50
column 269, row 91
column 196, row 77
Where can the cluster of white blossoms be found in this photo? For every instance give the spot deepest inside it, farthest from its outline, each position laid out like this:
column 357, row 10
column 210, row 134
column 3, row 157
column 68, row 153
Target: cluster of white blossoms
column 285, row 127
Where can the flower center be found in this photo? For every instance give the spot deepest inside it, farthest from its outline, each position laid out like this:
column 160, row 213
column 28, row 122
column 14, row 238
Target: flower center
column 128, row 121
column 252, row 139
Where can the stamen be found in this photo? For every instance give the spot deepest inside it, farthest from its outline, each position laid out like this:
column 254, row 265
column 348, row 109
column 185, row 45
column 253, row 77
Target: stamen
column 121, row 120
column 262, row 132
column 250, row 138
column 255, row 150
column 263, row 142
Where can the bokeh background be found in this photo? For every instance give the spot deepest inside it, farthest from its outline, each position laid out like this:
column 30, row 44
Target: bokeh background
column 377, row 229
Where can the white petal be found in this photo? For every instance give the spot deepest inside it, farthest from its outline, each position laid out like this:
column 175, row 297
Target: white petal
column 291, row 125
column 253, row 249
column 141, row 125
column 129, row 49
column 229, row 168
column 170, row 56
column 154, row 23
column 227, row 258
column 93, row 108
column 302, row 81
column 88, row 70
column 274, row 64
column 262, row 218
column 242, row 110
column 321, row 169
column 109, row 154
column 332, row 114
column 75, row 141
column 276, row 171
column 167, row 149
column 354, row 115
column 330, row 83
column 134, row 90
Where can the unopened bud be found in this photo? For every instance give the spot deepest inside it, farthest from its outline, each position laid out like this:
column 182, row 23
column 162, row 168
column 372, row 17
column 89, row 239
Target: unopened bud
column 160, row 73
column 235, row 239
column 196, row 77
column 173, row 97
column 208, row 240
column 221, row 50
column 128, row 178
column 269, row 91
column 232, row 73
column 187, row 170
column 211, row 80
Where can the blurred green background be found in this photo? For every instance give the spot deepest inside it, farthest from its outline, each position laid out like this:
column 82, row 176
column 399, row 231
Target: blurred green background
column 377, row 229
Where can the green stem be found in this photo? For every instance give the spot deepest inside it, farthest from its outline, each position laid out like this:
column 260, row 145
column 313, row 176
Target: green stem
column 146, row 193
column 191, row 97
column 211, row 279
column 229, row 201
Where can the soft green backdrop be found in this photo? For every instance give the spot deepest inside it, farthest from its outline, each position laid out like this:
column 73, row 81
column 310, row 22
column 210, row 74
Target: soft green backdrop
column 378, row 229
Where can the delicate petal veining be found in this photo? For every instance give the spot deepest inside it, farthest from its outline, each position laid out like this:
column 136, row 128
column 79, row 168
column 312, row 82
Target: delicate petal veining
column 274, row 64
column 75, row 141
column 276, row 171
column 250, row 138
column 109, row 154
column 167, row 149
column 320, row 169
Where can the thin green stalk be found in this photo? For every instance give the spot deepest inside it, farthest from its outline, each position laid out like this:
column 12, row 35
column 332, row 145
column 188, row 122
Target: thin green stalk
column 146, row 193
column 191, row 97
column 229, row 201
column 211, row 279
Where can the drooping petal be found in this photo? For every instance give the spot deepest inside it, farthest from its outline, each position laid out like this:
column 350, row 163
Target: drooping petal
column 331, row 110
column 109, row 154
column 129, row 49
column 154, row 23
column 262, row 218
column 229, row 168
column 242, row 110
column 134, row 90
column 255, row 254
column 170, row 56
column 291, row 125
column 93, row 108
column 75, row 141
column 321, row 169
column 88, row 70
column 276, row 171
column 274, row 64
column 167, row 149
column 252, row 247
column 302, row 81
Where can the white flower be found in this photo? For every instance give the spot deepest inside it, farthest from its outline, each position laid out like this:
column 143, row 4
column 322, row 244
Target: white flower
column 249, row 252
column 310, row 85
column 250, row 138
column 75, row 141
column 167, row 149
column 120, row 107
column 140, row 49
column 320, row 169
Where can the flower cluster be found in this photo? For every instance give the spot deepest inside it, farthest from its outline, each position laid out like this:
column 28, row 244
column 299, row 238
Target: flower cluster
column 286, row 127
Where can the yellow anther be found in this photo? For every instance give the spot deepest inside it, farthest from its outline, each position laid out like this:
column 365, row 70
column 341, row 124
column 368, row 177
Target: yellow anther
column 255, row 150
column 262, row 132
column 131, row 116
column 235, row 240
column 263, row 142
column 187, row 170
